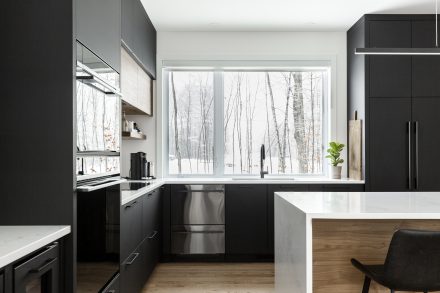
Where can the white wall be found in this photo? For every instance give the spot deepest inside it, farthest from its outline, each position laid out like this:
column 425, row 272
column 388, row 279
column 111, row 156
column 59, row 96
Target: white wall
column 259, row 46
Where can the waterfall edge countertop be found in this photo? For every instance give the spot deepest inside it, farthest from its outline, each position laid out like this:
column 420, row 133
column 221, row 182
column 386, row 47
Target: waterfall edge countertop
column 318, row 230
column 19, row 241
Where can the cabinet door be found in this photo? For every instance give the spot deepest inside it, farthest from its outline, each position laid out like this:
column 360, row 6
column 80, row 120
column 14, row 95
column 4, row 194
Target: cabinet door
column 427, row 140
column 390, row 76
column 426, row 69
column 131, row 227
column 152, row 253
column 132, row 271
column 152, row 212
column 246, row 219
column 127, row 23
column 144, row 92
column 337, row 187
column 271, row 212
column 389, row 149
column 99, row 28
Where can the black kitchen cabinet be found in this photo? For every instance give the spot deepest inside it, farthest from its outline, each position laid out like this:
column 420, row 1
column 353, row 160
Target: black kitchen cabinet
column 98, row 27
column 113, row 286
column 395, row 96
column 426, row 122
column 152, row 219
column 389, row 144
column 425, row 69
column 139, row 35
column 246, row 218
column 131, row 227
column 39, row 272
column 2, row 282
column 133, row 271
column 337, row 187
column 390, row 76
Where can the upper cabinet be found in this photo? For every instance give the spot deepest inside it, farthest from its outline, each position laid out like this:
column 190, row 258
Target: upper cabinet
column 390, row 76
column 98, row 27
column 136, row 87
column 139, row 35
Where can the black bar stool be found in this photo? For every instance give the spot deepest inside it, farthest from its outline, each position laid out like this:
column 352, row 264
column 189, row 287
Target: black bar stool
column 412, row 263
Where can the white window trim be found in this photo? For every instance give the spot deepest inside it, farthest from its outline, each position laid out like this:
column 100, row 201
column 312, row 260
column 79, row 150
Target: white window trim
column 217, row 64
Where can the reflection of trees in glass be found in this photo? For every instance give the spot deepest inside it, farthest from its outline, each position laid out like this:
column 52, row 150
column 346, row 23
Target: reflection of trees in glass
column 191, row 123
column 285, row 114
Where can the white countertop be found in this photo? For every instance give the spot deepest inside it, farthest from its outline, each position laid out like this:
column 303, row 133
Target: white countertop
column 365, row 205
column 257, row 180
column 19, row 241
column 129, row 195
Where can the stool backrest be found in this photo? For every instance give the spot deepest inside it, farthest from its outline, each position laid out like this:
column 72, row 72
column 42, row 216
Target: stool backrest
column 413, row 261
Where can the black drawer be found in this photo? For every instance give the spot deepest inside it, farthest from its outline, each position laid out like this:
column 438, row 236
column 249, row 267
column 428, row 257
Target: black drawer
column 42, row 266
column 133, row 271
column 113, row 286
column 131, row 227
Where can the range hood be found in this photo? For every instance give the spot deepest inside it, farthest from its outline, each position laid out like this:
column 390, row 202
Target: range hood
column 89, row 76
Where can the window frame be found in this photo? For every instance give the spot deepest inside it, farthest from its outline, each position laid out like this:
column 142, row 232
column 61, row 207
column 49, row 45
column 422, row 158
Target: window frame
column 218, row 67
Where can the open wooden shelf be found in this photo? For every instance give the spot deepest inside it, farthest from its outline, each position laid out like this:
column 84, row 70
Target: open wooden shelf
column 133, row 136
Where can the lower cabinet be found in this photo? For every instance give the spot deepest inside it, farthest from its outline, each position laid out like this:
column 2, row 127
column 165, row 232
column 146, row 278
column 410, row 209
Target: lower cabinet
column 140, row 240
column 113, row 286
column 39, row 272
column 246, row 219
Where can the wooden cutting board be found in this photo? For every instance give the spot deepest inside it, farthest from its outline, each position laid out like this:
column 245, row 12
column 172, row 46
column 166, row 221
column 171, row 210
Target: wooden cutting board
column 355, row 149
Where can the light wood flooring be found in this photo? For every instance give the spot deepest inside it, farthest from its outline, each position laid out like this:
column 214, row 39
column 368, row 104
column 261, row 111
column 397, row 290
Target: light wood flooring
column 211, row 278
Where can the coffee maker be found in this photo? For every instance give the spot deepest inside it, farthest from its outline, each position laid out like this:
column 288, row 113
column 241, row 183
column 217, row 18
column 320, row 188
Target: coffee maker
column 138, row 166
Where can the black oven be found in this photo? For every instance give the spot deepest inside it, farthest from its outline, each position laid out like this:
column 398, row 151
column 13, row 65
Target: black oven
column 98, row 238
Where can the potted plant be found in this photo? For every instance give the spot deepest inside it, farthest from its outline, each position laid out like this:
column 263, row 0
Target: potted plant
column 334, row 154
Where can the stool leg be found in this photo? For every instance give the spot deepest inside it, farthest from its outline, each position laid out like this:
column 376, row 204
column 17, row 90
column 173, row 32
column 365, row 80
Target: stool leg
column 392, row 290
column 366, row 287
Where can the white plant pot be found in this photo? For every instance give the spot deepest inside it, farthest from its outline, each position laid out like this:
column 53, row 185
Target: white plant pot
column 335, row 172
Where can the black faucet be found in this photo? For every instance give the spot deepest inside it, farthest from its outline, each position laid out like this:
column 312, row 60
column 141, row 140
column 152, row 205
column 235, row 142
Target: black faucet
column 262, row 158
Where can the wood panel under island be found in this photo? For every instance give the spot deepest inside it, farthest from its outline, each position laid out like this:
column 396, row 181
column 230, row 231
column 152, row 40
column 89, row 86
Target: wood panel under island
column 317, row 233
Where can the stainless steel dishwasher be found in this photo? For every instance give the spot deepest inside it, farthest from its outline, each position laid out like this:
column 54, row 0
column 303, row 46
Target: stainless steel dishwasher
column 198, row 219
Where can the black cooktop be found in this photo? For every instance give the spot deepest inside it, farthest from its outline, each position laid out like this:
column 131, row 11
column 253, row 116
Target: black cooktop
column 133, row 185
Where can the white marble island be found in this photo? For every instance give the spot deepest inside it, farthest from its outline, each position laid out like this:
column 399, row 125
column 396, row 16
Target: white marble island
column 316, row 234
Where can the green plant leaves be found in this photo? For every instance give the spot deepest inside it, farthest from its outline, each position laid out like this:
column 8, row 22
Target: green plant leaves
column 334, row 153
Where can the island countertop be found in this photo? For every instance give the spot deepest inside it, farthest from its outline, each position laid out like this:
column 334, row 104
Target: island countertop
column 19, row 241
column 365, row 205
column 317, row 233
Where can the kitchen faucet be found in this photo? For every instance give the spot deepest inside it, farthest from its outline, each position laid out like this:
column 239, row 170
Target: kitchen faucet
column 262, row 158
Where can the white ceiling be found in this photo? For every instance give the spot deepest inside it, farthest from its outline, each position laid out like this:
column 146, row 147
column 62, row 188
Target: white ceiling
column 271, row 15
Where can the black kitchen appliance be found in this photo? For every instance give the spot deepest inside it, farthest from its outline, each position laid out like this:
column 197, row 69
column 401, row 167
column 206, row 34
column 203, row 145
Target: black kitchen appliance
column 138, row 166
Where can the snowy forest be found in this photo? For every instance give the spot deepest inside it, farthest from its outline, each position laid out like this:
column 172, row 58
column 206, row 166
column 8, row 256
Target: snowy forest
column 282, row 110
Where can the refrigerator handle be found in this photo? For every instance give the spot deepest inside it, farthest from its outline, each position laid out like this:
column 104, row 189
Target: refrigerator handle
column 416, row 177
column 409, row 157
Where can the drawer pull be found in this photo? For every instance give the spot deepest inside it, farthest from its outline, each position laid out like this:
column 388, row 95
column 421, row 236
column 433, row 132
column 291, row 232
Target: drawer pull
column 48, row 263
column 131, row 261
column 130, row 205
column 153, row 236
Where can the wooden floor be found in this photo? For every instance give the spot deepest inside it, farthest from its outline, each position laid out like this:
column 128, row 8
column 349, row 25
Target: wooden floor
column 211, row 277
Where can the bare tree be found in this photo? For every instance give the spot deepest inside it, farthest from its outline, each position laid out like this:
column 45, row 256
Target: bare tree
column 298, row 119
column 176, row 130
column 281, row 163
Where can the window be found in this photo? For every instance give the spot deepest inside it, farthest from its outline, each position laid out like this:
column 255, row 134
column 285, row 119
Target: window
column 218, row 120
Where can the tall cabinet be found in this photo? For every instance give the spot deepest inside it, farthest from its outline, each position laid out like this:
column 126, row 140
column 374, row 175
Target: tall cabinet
column 398, row 98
